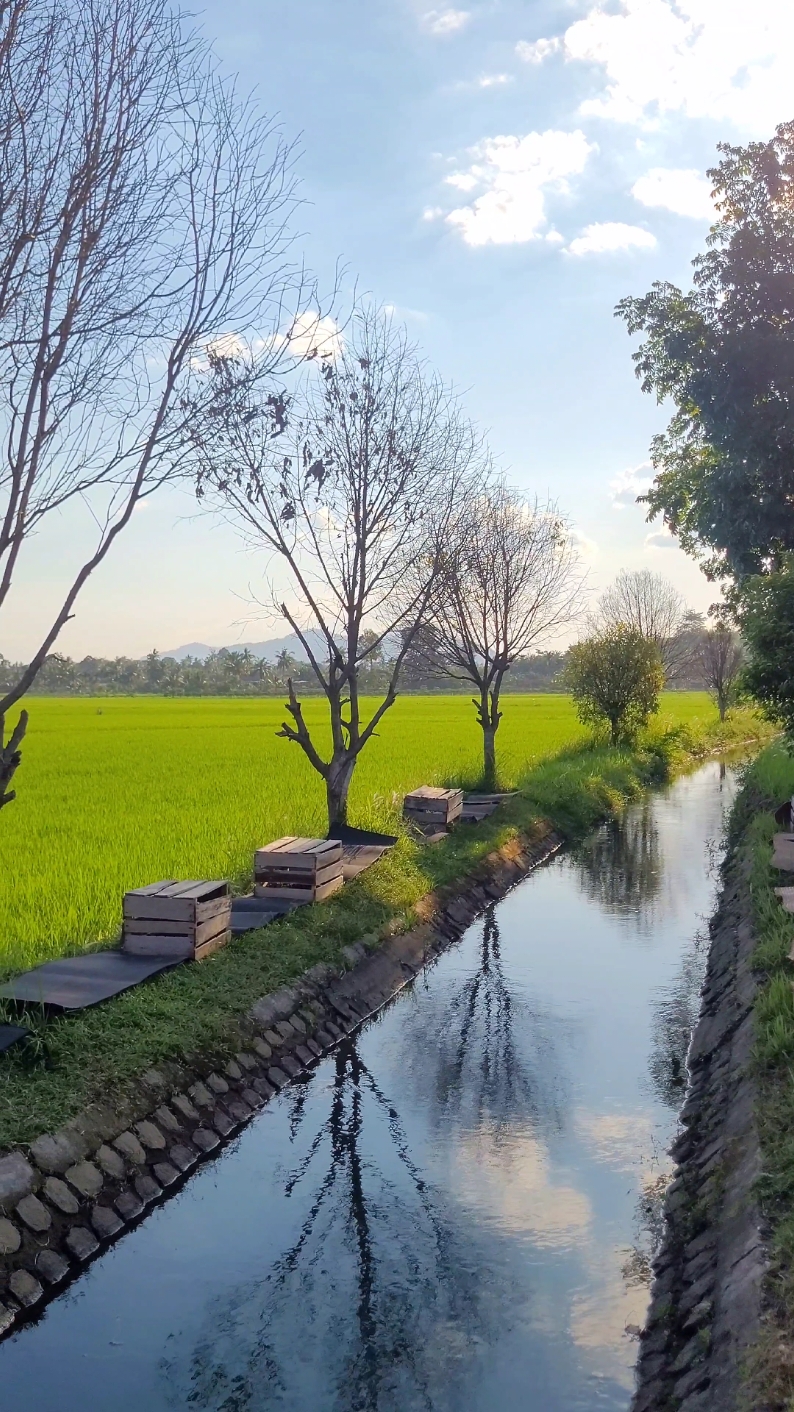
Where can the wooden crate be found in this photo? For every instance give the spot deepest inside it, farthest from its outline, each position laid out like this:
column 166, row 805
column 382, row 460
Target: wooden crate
column 186, row 920
column 299, row 869
column 431, row 808
column 783, row 852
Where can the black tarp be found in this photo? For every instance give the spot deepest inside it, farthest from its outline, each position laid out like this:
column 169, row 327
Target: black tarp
column 11, row 1035
column 76, row 982
column 345, row 833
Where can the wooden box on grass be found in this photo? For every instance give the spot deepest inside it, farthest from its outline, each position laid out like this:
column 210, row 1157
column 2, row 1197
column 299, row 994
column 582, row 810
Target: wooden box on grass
column 186, row 920
column 431, row 807
column 299, row 869
column 783, row 854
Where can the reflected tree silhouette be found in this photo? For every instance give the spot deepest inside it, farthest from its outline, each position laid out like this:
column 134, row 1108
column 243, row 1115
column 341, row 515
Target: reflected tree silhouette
column 621, row 866
column 493, row 1057
column 675, row 1015
column 385, row 1289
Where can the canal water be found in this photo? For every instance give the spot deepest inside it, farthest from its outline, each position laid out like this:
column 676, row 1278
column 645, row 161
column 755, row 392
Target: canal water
column 456, row 1211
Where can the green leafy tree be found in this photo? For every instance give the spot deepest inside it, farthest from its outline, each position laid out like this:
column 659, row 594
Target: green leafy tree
column 724, row 353
column 615, row 678
column 767, row 620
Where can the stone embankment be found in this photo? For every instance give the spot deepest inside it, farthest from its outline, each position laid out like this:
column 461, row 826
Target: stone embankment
column 706, row 1300
column 71, row 1193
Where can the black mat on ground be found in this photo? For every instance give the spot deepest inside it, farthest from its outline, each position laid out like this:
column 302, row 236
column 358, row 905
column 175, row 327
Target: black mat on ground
column 357, row 857
column 475, row 812
column 477, row 807
column 249, row 913
column 346, row 834
column 489, row 798
column 11, row 1035
column 79, row 981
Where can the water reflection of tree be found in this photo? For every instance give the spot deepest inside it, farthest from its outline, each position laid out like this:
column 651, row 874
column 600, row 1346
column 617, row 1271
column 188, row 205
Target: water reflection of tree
column 675, row 1012
column 378, row 1302
column 637, row 1267
column 621, row 865
column 486, row 1056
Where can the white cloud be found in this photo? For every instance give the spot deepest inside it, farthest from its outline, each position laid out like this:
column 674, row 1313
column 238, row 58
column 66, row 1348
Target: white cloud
column 627, row 485
column 718, row 59
column 463, row 181
column 432, row 213
column 660, row 539
column 607, row 237
column 586, row 547
column 687, row 192
column 227, row 345
column 536, row 52
column 443, row 22
column 312, row 336
column 494, row 80
column 514, row 175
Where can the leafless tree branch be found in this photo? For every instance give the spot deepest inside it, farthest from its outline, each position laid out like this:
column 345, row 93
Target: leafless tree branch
column 144, row 214
column 650, row 605
column 351, row 481
column 720, row 657
column 510, row 578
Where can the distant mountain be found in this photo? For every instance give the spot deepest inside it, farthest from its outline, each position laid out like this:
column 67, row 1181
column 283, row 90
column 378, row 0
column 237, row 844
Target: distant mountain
column 269, row 649
column 190, row 649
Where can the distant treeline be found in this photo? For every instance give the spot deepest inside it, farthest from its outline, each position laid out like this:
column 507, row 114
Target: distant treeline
column 238, row 673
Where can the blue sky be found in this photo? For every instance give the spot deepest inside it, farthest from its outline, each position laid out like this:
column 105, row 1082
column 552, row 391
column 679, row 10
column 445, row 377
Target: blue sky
column 501, row 173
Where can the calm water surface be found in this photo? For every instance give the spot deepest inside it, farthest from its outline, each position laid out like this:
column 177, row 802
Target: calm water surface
column 454, row 1213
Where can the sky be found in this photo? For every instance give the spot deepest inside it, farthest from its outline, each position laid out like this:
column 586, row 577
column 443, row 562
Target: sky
column 501, row 174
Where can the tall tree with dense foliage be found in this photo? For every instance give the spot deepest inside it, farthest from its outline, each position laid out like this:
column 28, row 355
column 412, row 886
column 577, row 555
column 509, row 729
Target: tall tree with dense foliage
column 509, row 578
column 767, row 621
column 615, row 679
column 143, row 210
column 723, row 351
column 350, row 483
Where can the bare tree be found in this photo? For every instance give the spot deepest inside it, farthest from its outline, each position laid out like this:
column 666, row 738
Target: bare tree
column 650, row 605
column 143, row 210
column 720, row 658
column 510, row 579
column 351, row 482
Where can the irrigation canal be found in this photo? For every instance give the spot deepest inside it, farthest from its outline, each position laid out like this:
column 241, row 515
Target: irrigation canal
column 453, row 1213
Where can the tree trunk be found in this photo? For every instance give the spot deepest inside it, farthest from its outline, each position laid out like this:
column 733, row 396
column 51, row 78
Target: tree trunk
column 489, row 755
column 615, row 724
column 722, row 705
column 10, row 756
column 337, row 785
column 489, row 716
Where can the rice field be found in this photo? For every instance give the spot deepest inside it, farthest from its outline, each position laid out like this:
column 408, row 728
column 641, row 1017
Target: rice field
column 121, row 791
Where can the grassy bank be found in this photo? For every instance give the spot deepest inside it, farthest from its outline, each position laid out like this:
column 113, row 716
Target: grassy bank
column 116, row 792
column 768, row 782
column 197, row 1009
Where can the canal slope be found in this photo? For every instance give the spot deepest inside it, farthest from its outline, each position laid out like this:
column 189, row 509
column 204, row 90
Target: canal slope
column 705, row 1313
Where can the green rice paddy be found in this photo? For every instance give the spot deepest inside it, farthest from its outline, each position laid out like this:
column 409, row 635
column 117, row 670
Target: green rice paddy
column 117, row 792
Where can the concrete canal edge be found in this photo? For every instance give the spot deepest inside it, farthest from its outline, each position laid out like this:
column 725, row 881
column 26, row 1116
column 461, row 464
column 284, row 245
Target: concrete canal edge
column 70, row 1194
column 706, row 1302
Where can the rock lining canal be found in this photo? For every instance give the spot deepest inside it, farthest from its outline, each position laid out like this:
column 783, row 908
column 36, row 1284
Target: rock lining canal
column 454, row 1210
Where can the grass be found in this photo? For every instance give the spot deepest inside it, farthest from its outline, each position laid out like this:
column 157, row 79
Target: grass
column 117, row 792
column 197, row 1010
column 768, row 782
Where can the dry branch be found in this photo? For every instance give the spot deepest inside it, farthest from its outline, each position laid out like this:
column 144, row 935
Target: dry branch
column 351, row 482
column 143, row 209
